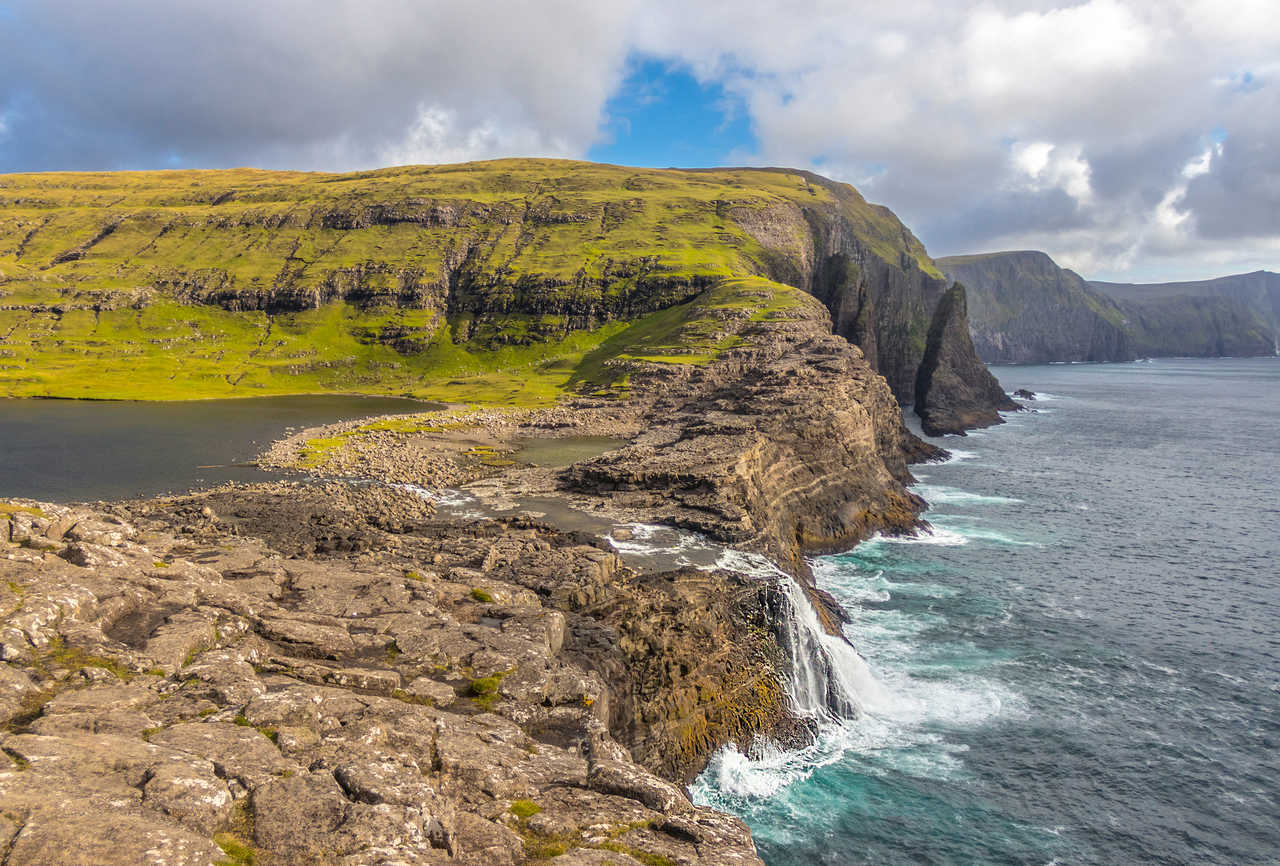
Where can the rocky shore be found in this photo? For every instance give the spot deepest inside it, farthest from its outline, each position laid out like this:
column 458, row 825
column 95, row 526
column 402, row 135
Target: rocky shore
column 322, row 674
column 336, row 672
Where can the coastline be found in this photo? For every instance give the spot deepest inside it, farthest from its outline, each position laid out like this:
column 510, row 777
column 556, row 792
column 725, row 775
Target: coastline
column 550, row 682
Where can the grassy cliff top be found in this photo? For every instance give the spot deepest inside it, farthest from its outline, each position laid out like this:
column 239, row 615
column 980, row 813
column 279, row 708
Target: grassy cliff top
column 98, row 230
column 420, row 279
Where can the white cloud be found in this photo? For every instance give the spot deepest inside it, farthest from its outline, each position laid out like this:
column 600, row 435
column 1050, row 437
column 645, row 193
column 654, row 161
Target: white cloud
column 1058, row 124
column 1001, row 124
column 439, row 136
column 1042, row 165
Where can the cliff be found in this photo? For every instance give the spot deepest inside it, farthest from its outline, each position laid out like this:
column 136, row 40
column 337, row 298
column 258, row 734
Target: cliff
column 301, row 672
column 782, row 440
column 1026, row 309
column 438, row 281
column 954, row 391
column 1229, row 315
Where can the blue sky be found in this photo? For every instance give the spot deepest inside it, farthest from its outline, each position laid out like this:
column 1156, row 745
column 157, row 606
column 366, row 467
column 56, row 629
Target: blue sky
column 661, row 116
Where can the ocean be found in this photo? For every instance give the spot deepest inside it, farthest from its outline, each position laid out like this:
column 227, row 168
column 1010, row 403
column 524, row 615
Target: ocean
column 1080, row 663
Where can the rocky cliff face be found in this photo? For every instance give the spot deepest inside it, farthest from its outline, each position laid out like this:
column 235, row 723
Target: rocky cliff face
column 308, row 674
column 1026, row 309
column 954, row 391
column 788, row 444
column 873, row 275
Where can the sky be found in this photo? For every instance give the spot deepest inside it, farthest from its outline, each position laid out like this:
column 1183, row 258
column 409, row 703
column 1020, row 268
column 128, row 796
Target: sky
column 1134, row 141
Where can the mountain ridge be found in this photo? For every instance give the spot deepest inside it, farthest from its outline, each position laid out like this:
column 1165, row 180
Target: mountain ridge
column 1024, row 308
column 481, row 282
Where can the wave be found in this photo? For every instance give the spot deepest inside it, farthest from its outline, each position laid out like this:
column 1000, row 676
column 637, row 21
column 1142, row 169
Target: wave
column 942, row 495
column 931, row 535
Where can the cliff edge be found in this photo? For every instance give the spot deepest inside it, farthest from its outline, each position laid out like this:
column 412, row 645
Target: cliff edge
column 954, row 390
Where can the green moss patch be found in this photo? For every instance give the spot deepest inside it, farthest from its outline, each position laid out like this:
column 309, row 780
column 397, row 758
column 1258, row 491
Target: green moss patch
column 524, row 808
column 238, row 852
column 7, row 508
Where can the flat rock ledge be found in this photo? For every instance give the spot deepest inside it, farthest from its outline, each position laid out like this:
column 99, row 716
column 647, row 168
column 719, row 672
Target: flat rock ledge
column 186, row 681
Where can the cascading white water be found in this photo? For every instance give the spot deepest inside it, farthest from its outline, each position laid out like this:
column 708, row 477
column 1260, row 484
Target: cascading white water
column 829, row 679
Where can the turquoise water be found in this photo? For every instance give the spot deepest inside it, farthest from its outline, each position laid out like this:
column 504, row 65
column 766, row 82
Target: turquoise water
column 1082, row 663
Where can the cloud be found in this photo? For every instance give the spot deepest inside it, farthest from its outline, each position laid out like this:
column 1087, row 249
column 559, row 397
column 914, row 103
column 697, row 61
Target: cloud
column 1057, row 124
column 1064, row 126
column 296, row 84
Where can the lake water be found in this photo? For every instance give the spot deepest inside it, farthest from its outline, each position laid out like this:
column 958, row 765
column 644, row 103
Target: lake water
column 1082, row 663
column 72, row 450
column 566, row 450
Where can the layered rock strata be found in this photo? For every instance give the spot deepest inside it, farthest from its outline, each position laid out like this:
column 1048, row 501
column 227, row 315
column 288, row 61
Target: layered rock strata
column 321, row 675
column 954, row 391
column 787, row 444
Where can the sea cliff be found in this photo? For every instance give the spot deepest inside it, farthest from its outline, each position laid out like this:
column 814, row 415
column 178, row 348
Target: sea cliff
column 1025, row 309
column 344, row 670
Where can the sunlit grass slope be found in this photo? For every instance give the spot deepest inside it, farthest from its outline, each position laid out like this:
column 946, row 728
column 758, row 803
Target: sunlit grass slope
column 496, row 282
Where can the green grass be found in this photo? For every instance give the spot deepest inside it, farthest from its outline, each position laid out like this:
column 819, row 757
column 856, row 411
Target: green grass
column 73, row 658
column 692, row 333
column 545, row 266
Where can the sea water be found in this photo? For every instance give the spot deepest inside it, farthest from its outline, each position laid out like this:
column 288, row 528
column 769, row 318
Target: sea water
column 1080, row 663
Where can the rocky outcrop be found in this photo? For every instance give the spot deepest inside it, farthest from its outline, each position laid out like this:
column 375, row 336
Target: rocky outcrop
column 786, row 444
column 840, row 251
column 954, row 391
column 1025, row 309
column 269, row 672
column 789, row 445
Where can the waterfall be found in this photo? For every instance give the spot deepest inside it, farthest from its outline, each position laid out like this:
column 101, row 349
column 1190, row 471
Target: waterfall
column 829, row 679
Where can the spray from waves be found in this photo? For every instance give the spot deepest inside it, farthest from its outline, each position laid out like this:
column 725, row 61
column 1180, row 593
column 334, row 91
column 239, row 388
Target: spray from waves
column 928, row 535
column 894, row 719
column 938, row 494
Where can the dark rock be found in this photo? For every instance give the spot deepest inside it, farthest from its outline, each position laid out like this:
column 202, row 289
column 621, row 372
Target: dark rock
column 954, row 390
column 1024, row 308
column 1024, row 394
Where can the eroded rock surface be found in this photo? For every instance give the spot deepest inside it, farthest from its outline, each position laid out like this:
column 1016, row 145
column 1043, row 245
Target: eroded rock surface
column 790, row 444
column 954, row 391
column 265, row 669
